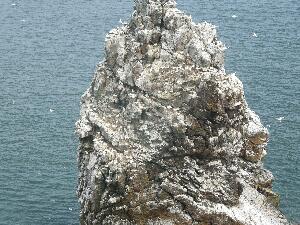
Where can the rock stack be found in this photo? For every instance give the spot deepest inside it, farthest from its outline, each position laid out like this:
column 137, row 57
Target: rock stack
column 166, row 136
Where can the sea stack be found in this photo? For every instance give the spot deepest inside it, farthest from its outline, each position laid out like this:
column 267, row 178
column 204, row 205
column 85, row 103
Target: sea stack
column 166, row 136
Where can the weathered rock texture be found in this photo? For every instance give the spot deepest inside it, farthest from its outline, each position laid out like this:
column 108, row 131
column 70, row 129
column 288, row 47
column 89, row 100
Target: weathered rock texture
column 166, row 136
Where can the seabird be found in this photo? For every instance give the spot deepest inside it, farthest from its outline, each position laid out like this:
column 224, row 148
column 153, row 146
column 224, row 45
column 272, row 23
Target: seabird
column 280, row 118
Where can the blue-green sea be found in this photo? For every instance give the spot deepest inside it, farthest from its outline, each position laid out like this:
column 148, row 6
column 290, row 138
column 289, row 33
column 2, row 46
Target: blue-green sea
column 48, row 53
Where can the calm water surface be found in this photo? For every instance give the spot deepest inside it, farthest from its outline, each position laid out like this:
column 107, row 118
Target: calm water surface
column 49, row 50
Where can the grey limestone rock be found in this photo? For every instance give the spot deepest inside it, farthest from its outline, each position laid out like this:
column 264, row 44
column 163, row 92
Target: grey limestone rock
column 166, row 136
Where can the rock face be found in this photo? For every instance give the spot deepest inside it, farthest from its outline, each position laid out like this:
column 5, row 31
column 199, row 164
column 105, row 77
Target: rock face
column 166, row 136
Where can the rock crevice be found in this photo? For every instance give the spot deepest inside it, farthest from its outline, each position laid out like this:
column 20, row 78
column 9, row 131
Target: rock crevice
column 166, row 136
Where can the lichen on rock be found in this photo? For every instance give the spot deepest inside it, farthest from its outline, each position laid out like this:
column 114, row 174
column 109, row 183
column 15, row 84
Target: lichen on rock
column 166, row 136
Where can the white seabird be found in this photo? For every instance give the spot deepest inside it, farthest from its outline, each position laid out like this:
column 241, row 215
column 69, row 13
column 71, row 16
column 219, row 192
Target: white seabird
column 280, row 118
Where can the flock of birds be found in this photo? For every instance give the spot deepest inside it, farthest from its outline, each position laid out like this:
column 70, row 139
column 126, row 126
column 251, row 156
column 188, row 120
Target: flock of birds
column 233, row 16
column 280, row 119
column 253, row 35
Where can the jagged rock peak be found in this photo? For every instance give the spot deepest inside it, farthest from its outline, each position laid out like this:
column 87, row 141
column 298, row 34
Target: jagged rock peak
column 166, row 136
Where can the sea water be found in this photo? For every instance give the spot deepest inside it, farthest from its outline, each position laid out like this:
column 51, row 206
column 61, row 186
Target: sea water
column 48, row 53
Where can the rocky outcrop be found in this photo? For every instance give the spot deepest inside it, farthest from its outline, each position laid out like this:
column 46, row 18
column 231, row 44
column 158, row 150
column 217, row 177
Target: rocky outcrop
column 166, row 136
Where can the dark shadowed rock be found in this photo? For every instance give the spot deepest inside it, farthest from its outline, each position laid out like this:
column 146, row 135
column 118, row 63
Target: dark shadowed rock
column 166, row 136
